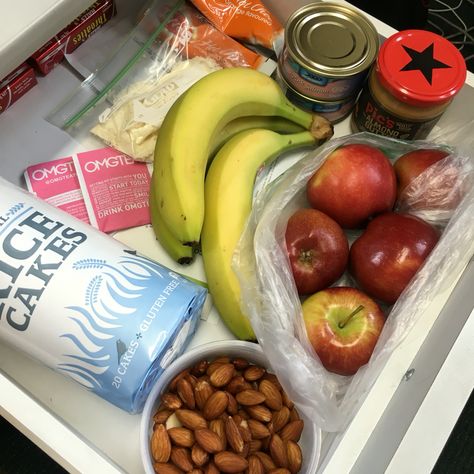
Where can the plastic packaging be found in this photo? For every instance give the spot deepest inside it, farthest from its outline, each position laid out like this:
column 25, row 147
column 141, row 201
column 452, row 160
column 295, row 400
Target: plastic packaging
column 128, row 87
column 270, row 299
column 86, row 305
column 249, row 21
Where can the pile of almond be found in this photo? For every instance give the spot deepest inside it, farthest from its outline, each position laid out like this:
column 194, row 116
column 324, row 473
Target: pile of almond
column 226, row 416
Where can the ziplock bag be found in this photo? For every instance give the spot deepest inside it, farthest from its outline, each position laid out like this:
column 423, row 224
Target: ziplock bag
column 270, row 299
column 123, row 104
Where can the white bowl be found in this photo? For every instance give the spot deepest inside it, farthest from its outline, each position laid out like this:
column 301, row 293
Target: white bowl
column 310, row 441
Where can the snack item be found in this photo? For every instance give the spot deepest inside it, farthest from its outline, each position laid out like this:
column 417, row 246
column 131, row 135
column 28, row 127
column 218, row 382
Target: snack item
column 15, row 85
column 229, row 414
column 115, row 189
column 131, row 125
column 191, row 31
column 86, row 305
column 249, row 21
column 328, row 51
column 71, row 37
column 414, row 80
column 56, row 182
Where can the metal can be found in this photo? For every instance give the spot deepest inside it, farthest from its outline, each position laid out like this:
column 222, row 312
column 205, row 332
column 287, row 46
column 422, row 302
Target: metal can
column 334, row 110
column 415, row 77
column 329, row 48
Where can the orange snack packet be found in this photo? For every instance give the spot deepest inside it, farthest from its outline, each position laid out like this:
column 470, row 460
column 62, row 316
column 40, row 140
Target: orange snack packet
column 193, row 32
column 245, row 20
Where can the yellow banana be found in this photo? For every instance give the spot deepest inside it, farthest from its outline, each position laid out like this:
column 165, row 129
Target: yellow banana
column 228, row 202
column 182, row 254
column 186, row 136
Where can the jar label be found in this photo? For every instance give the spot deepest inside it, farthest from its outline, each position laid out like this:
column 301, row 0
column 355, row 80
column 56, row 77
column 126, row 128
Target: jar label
column 371, row 116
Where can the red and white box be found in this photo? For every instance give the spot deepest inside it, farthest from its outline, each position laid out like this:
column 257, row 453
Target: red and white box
column 15, row 85
column 68, row 39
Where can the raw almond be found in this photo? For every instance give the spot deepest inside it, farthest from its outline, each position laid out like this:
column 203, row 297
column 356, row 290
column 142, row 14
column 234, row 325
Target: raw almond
column 273, row 379
column 171, row 401
column 160, row 444
column 222, row 360
column 240, row 363
column 199, row 456
column 200, row 368
column 250, row 397
column 191, row 419
column 202, row 391
column 229, row 462
column 181, row 436
column 166, row 468
column 212, row 367
column 255, row 465
column 232, row 405
column 260, row 413
column 292, row 431
column 186, row 393
column 280, row 418
column 218, row 426
column 273, row 398
column 181, row 457
column 215, row 405
column 278, row 451
column 258, row 429
column 174, row 382
column 234, row 438
column 195, row 471
column 279, row 470
column 208, row 440
column 237, row 384
column 222, row 375
column 244, row 430
column 255, row 445
column 295, row 457
column 266, row 460
column 294, row 415
column 162, row 415
column 253, row 373
column 211, row 469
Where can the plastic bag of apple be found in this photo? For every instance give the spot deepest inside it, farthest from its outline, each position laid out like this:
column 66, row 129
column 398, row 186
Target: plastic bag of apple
column 343, row 253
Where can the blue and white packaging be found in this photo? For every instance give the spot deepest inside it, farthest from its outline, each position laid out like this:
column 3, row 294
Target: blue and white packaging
column 86, row 305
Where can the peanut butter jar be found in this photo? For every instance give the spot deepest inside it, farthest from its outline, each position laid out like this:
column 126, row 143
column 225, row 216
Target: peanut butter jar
column 414, row 79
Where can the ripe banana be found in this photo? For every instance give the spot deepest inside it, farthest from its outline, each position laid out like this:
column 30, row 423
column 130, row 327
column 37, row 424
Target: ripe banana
column 228, row 202
column 182, row 254
column 186, row 136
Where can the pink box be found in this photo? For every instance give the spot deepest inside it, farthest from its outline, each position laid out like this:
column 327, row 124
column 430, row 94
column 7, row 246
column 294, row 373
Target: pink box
column 56, row 182
column 115, row 189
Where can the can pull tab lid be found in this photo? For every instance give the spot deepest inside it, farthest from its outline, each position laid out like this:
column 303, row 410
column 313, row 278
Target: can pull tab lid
column 420, row 67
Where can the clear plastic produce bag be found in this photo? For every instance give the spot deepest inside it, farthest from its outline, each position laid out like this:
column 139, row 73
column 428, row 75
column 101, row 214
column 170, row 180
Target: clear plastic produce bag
column 271, row 301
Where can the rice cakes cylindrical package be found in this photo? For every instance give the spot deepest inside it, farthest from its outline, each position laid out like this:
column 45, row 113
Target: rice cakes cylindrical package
column 86, row 305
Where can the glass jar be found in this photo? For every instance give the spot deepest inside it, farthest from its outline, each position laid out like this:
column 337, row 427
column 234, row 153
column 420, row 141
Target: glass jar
column 416, row 75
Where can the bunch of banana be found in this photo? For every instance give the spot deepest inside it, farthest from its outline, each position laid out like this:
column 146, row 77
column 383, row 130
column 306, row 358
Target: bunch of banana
column 195, row 127
column 227, row 125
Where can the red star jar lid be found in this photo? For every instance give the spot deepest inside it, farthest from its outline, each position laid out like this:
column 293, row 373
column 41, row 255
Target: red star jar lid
column 420, row 67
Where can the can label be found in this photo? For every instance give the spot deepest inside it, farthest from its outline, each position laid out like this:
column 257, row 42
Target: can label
column 371, row 116
column 317, row 86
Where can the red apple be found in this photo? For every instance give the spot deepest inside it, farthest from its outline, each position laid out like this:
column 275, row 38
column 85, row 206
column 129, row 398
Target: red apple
column 353, row 184
column 343, row 325
column 389, row 252
column 317, row 248
column 437, row 190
